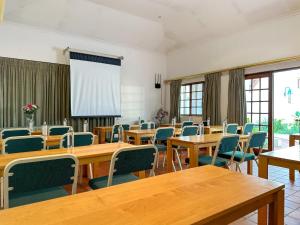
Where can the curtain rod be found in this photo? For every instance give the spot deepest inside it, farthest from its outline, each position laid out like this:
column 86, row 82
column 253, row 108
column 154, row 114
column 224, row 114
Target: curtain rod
column 2, row 6
column 237, row 67
column 68, row 49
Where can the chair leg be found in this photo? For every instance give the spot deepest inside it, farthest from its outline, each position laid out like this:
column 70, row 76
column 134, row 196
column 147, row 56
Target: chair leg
column 174, row 168
column 80, row 175
column 2, row 193
column 256, row 162
column 239, row 168
column 164, row 160
column 178, row 159
column 90, row 169
column 157, row 161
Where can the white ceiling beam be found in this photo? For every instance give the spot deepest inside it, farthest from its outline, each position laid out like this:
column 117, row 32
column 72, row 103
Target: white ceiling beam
column 2, row 3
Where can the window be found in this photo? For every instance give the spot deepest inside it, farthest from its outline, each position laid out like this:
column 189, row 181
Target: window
column 191, row 99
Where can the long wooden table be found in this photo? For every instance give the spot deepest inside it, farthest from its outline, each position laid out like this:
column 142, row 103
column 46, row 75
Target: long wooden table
column 138, row 134
column 218, row 129
column 101, row 132
column 193, row 143
column 288, row 158
column 85, row 154
column 204, row 195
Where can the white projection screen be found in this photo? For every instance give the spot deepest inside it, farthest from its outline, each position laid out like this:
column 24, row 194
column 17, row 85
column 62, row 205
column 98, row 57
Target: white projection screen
column 95, row 85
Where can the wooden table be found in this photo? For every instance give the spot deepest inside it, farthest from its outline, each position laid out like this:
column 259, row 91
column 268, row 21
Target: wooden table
column 85, row 154
column 204, row 195
column 177, row 125
column 293, row 138
column 218, row 129
column 138, row 134
column 193, row 143
column 101, row 132
column 288, row 158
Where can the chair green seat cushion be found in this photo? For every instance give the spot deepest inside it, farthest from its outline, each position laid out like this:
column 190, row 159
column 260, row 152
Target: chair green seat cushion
column 36, row 196
column 206, row 160
column 238, row 155
column 101, row 182
column 108, row 140
column 161, row 148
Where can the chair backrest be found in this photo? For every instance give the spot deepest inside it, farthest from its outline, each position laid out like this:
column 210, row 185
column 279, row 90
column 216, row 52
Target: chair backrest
column 132, row 159
column 205, row 123
column 23, row 144
column 38, row 173
column 228, row 144
column 126, row 126
column 163, row 133
column 189, row 131
column 14, row 132
column 115, row 131
column 148, row 125
column 58, row 130
column 187, row 123
column 248, row 128
column 80, row 139
column 232, row 128
column 257, row 140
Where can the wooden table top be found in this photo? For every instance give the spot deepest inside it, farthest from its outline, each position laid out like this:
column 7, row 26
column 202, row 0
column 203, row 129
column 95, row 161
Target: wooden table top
column 149, row 131
column 199, row 195
column 288, row 154
column 203, row 139
column 80, row 152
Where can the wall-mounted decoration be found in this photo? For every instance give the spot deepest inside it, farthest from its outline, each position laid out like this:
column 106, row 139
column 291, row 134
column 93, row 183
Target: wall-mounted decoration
column 158, row 81
column 288, row 94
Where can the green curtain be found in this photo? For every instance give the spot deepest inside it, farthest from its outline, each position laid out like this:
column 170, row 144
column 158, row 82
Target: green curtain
column 45, row 84
column 175, row 88
column 236, row 111
column 211, row 99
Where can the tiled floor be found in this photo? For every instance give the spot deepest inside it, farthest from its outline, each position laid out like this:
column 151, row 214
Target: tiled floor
column 292, row 192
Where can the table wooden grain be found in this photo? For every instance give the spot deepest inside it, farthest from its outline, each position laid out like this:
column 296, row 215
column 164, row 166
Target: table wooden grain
column 193, row 143
column 85, row 154
column 138, row 134
column 101, row 132
column 203, row 195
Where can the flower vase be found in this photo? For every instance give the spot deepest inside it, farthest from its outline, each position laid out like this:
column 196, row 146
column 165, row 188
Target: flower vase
column 29, row 118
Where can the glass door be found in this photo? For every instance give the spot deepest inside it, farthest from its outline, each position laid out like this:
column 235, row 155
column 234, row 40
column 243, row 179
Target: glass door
column 258, row 89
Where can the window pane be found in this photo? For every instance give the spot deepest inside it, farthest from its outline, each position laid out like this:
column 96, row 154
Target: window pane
column 182, row 88
column 255, row 84
column 199, row 111
column 248, row 107
column 249, row 118
column 264, row 119
column 196, row 87
column 187, row 103
column 264, row 128
column 194, row 103
column 187, row 96
column 255, row 107
column 255, row 95
column 264, row 83
column 247, row 84
column 187, row 111
column 255, row 118
column 264, row 107
column 199, row 102
column 200, row 87
column 187, row 88
column 181, row 111
column 248, row 96
column 181, row 103
column 194, row 111
column 264, row 94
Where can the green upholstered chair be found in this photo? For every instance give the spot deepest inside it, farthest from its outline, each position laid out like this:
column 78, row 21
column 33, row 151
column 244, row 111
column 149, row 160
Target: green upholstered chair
column 248, row 128
column 186, row 131
column 187, row 123
column 256, row 140
column 58, row 130
column 146, row 126
column 23, row 144
column 80, row 139
column 126, row 161
column 160, row 140
column 232, row 128
column 227, row 144
column 37, row 179
column 14, row 132
column 114, row 137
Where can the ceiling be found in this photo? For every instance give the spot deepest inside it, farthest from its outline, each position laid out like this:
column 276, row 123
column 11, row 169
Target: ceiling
column 162, row 24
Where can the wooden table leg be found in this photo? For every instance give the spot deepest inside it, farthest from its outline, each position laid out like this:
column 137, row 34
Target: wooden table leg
column 102, row 136
column 169, row 156
column 263, row 173
column 291, row 141
column 276, row 209
column 250, row 167
column 292, row 174
column 137, row 139
column 194, row 156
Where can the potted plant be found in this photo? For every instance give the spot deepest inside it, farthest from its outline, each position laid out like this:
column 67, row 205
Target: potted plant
column 29, row 111
column 160, row 115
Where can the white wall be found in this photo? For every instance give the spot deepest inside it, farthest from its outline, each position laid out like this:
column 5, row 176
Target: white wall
column 139, row 97
column 272, row 40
